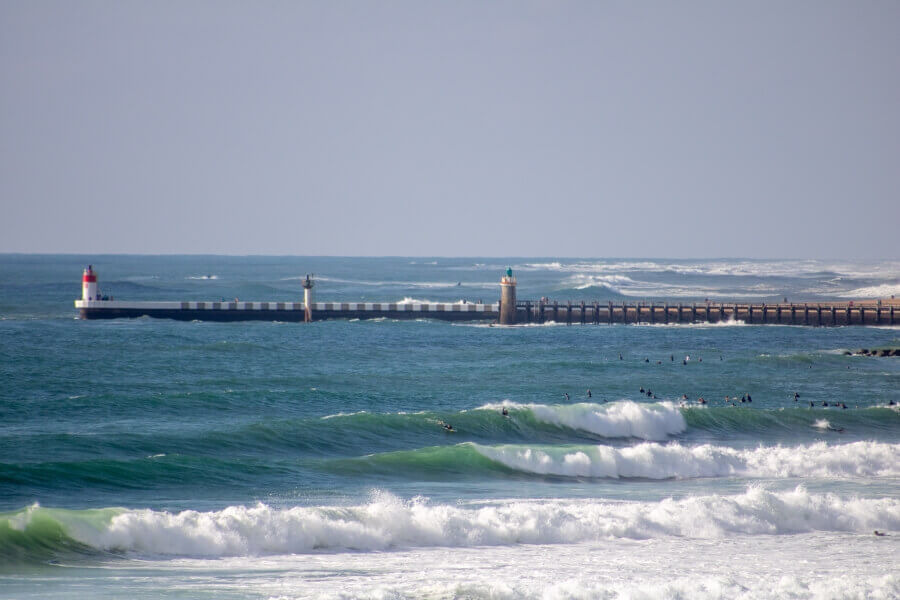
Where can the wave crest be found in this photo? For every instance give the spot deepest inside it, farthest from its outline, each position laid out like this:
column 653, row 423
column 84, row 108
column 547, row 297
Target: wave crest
column 674, row 461
column 613, row 420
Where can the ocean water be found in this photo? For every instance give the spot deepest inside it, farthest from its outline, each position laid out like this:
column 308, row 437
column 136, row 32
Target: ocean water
column 157, row 459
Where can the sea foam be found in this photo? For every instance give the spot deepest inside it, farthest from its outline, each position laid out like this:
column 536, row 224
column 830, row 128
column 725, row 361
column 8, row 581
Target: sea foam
column 387, row 522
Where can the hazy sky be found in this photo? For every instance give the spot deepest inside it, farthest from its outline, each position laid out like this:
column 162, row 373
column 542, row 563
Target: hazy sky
column 667, row 129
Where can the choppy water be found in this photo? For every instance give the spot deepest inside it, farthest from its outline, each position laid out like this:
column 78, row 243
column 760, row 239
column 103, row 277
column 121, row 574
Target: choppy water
column 149, row 458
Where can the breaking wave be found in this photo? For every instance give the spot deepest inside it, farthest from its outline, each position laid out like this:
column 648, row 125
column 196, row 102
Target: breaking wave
column 646, row 460
column 387, row 522
column 613, row 420
column 675, row 461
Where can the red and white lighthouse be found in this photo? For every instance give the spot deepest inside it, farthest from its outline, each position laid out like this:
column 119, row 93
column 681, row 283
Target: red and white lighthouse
column 89, row 288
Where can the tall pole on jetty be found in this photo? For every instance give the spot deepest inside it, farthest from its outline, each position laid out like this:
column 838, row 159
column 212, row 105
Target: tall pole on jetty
column 308, row 299
column 508, row 298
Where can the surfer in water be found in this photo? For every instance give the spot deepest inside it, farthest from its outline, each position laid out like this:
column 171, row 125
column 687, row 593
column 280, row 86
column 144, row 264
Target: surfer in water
column 504, row 412
column 589, row 393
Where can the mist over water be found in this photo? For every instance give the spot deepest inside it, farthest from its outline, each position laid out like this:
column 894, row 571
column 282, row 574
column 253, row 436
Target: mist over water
column 290, row 460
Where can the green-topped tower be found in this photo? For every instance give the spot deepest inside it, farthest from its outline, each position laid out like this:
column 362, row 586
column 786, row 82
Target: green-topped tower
column 508, row 298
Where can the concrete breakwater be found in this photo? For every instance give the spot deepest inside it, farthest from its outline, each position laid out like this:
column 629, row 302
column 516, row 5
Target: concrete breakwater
column 585, row 313
column 508, row 311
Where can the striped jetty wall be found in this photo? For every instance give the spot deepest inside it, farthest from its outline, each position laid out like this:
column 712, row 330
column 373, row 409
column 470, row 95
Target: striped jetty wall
column 284, row 311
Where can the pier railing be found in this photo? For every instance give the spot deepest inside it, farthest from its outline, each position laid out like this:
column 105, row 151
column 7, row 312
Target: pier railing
column 813, row 314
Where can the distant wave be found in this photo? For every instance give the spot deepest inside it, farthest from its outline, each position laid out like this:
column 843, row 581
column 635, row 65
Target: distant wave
column 875, row 291
column 627, row 286
column 202, row 277
column 387, row 522
column 410, row 300
column 406, row 284
column 740, row 268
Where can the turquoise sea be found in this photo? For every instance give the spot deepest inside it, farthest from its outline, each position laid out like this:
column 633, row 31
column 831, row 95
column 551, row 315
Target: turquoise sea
column 146, row 458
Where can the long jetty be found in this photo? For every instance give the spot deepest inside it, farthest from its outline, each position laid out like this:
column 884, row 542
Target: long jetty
column 508, row 311
column 813, row 314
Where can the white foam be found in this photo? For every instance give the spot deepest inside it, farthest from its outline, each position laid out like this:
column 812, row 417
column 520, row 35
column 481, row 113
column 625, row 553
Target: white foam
column 461, row 301
column 344, row 414
column 614, row 420
column 531, row 586
column 406, row 284
column 729, row 322
column 656, row 461
column 627, row 286
column 876, row 291
column 516, row 326
column 388, row 522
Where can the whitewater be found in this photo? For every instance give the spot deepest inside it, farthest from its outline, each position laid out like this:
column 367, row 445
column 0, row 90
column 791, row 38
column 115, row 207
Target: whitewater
column 159, row 459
